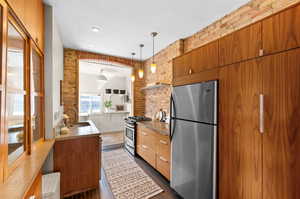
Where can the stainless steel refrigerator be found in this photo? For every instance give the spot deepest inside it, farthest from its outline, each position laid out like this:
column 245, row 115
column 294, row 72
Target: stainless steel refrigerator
column 193, row 134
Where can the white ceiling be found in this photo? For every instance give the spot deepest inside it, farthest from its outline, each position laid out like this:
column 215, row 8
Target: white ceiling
column 108, row 70
column 126, row 24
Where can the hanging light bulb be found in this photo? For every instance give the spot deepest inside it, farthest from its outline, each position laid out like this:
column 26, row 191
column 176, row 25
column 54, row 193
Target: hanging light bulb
column 153, row 64
column 132, row 76
column 141, row 70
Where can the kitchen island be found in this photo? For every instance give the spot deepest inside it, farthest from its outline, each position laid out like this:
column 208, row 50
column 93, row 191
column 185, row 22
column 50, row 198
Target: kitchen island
column 77, row 155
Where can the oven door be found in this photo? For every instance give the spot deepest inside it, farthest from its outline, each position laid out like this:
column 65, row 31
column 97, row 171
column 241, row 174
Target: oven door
column 130, row 138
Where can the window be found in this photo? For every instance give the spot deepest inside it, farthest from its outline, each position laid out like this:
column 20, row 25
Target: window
column 89, row 104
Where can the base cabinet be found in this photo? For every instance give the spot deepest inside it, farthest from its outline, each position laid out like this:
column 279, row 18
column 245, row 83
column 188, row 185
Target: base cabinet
column 155, row 149
column 35, row 191
column 78, row 161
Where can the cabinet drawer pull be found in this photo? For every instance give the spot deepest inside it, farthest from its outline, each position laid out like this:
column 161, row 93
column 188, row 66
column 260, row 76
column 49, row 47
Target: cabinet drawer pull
column 144, row 147
column 32, row 197
column 190, row 71
column 145, row 134
column 261, row 52
column 163, row 142
column 163, row 159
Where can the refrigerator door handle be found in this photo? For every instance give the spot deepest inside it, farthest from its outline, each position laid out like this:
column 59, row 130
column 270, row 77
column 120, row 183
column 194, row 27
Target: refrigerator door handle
column 261, row 113
column 172, row 107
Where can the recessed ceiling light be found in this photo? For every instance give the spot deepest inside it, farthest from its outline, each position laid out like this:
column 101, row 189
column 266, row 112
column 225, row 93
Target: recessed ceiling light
column 95, row 29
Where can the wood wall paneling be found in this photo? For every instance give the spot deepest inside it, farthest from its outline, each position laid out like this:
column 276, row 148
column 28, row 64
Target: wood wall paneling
column 240, row 143
column 240, row 45
column 281, row 31
column 281, row 139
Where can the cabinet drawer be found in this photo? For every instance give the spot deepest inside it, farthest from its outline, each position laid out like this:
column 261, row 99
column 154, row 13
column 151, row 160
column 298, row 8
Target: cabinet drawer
column 163, row 166
column 147, row 154
column 163, row 146
column 146, row 137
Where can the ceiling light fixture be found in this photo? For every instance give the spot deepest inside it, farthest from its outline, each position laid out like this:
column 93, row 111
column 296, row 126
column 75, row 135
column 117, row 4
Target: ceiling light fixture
column 101, row 77
column 141, row 70
column 95, row 29
column 153, row 64
column 132, row 75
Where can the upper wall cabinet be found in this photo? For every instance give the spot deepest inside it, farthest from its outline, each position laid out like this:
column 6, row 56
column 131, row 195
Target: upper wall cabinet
column 196, row 61
column 281, row 31
column 241, row 45
column 206, row 57
column 31, row 14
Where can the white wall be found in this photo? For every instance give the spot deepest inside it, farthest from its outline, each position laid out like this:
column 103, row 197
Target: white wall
column 54, row 64
column 53, row 72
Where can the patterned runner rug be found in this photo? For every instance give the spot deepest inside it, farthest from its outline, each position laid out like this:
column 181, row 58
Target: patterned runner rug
column 126, row 179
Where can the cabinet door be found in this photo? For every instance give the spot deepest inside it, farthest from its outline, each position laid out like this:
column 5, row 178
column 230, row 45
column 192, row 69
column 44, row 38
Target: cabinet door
column 18, row 7
column 241, row 45
column 281, row 31
column 240, row 143
column 181, row 65
column 281, row 141
column 40, row 25
column 206, row 57
column 30, row 17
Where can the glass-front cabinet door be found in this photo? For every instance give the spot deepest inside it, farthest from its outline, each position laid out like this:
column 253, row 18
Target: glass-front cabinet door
column 37, row 97
column 15, row 91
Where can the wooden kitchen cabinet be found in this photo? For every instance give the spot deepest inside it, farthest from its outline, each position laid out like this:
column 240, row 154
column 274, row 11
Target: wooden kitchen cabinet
column 181, row 65
column 281, row 31
column 281, row 140
column 205, row 57
column 18, row 7
column 78, row 161
column 241, row 45
column 240, row 145
column 154, row 148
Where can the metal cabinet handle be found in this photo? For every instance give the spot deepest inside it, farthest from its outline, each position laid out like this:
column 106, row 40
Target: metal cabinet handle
column 145, row 134
column 261, row 113
column 163, row 159
column 190, row 71
column 163, row 142
column 32, row 197
column 145, row 147
column 261, row 52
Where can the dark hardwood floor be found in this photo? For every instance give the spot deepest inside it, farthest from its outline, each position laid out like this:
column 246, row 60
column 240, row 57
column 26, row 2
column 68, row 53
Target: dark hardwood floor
column 104, row 191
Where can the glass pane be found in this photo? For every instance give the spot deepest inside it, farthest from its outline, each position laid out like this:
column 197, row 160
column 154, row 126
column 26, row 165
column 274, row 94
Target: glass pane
column 15, row 60
column 15, row 94
column 16, row 129
column 36, row 72
column 36, row 118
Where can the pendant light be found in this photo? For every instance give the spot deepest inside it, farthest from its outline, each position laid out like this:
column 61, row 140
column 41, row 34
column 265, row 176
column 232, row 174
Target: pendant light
column 132, row 76
column 141, row 70
column 153, row 64
column 101, row 77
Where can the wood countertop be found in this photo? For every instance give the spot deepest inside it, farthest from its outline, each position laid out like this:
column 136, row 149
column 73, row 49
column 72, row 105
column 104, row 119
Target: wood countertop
column 83, row 129
column 24, row 175
column 160, row 127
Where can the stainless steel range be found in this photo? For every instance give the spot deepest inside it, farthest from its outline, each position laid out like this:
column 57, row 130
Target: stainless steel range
column 130, row 132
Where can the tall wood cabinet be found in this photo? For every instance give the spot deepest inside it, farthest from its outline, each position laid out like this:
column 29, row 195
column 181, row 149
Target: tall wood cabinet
column 240, row 143
column 259, row 128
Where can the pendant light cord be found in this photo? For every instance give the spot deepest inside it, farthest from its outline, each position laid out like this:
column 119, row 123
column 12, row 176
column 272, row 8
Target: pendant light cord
column 153, row 49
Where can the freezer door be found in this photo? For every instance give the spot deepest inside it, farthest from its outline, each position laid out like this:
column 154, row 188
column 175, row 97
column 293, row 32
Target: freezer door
column 193, row 160
column 196, row 102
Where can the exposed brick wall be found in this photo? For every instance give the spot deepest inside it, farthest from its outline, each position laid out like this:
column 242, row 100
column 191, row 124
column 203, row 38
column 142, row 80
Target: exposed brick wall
column 252, row 12
column 157, row 99
column 70, row 84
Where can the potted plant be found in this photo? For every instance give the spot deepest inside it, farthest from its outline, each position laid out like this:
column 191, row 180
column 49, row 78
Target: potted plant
column 107, row 105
